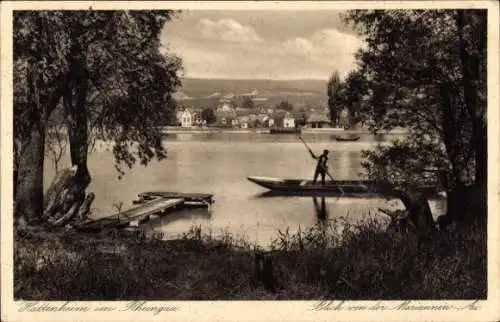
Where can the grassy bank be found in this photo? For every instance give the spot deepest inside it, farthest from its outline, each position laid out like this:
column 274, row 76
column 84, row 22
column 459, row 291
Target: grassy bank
column 351, row 263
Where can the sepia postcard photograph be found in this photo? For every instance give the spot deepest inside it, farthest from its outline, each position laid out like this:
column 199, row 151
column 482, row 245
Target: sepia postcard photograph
column 250, row 161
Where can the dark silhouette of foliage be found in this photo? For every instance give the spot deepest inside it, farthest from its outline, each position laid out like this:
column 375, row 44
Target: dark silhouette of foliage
column 208, row 115
column 334, row 88
column 285, row 105
column 248, row 103
column 423, row 70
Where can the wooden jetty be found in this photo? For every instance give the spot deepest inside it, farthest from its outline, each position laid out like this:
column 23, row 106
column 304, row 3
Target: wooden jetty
column 197, row 199
column 150, row 205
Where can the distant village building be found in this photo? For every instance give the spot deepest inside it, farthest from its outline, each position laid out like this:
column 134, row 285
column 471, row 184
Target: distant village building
column 318, row 120
column 300, row 118
column 186, row 118
column 260, row 99
column 270, row 122
column 284, row 119
column 178, row 117
column 225, row 115
column 262, row 118
column 225, row 107
column 189, row 117
column 196, row 118
column 261, row 110
column 289, row 122
column 243, row 121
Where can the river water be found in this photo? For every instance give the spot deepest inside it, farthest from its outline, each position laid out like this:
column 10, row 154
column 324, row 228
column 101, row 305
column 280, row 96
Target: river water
column 219, row 163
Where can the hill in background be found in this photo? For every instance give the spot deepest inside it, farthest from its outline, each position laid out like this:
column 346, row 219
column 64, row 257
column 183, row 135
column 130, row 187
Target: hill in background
column 203, row 92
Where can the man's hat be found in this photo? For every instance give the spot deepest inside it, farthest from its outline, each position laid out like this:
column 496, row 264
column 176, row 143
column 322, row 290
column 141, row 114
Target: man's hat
column 325, row 151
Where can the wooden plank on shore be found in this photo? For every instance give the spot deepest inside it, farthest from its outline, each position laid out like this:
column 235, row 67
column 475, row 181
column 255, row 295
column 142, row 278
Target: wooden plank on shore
column 133, row 215
column 151, row 207
column 102, row 223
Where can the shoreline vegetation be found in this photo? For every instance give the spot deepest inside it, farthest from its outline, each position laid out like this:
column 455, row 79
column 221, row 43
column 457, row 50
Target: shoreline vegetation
column 332, row 261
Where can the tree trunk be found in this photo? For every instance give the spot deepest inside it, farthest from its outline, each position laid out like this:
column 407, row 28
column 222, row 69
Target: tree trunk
column 417, row 207
column 481, row 146
column 450, row 132
column 75, row 108
column 472, row 56
column 29, row 186
column 65, row 200
column 419, row 211
column 29, row 175
column 461, row 198
column 467, row 204
column 77, row 132
column 333, row 110
column 471, row 71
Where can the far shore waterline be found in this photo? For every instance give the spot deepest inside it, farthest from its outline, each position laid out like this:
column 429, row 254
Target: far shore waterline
column 179, row 130
column 176, row 130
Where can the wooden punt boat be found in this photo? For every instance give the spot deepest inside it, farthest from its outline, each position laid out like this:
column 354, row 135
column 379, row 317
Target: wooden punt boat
column 347, row 188
column 297, row 185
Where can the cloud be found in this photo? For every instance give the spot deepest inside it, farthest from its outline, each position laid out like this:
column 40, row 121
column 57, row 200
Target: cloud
column 298, row 46
column 324, row 51
column 227, row 30
column 324, row 42
column 335, row 40
column 226, row 48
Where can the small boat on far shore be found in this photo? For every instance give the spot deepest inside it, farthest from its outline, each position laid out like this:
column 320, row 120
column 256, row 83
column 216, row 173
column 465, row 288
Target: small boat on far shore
column 347, row 137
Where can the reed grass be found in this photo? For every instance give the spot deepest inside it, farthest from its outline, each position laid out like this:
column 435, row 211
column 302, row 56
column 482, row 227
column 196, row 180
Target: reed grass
column 335, row 260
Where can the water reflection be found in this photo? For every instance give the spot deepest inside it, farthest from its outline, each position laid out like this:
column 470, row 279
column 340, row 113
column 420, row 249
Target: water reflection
column 320, row 208
column 341, row 164
column 186, row 215
column 380, row 137
column 219, row 163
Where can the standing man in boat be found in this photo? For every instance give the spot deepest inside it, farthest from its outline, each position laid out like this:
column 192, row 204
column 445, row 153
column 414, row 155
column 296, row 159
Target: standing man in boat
column 321, row 166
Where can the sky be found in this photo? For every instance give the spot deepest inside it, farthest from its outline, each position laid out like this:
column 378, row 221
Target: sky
column 273, row 44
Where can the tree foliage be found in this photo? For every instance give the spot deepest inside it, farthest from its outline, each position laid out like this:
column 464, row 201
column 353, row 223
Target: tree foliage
column 248, row 103
column 208, row 115
column 353, row 95
column 107, row 71
column 285, row 105
column 334, row 88
column 423, row 70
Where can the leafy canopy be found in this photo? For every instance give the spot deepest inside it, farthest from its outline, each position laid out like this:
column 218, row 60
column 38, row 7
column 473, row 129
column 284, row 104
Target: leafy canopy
column 410, row 56
column 130, row 76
